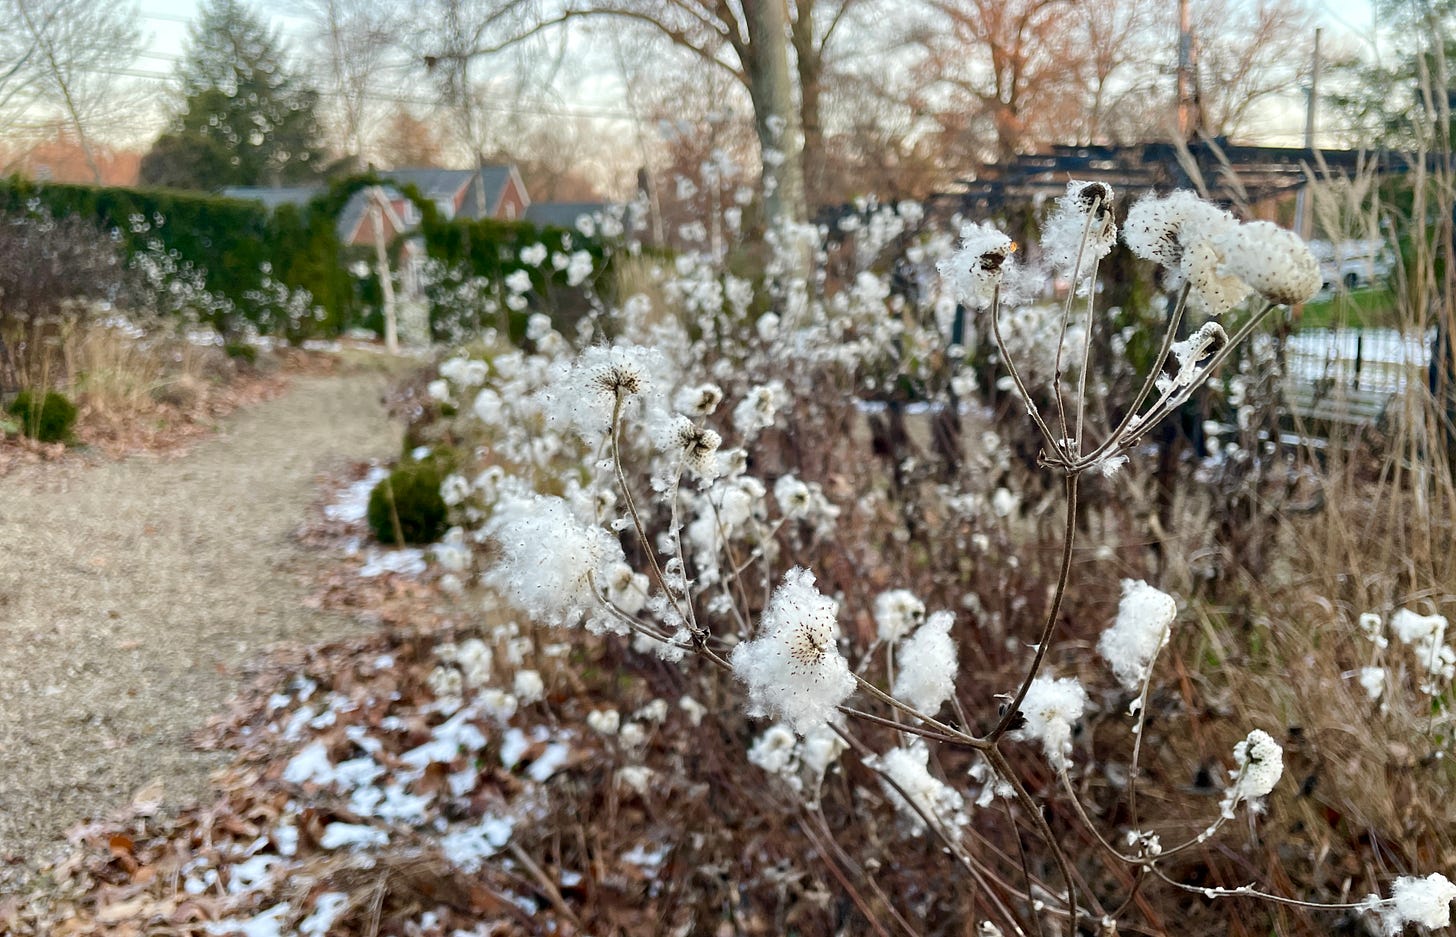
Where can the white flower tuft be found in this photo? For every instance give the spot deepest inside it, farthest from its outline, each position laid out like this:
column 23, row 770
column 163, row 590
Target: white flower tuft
column 1051, row 708
column 906, row 767
column 974, row 272
column 698, row 401
column 1260, row 763
column 897, row 612
column 1273, row 260
column 793, row 668
column 1373, row 680
column 1081, row 230
column 1426, row 637
column 589, row 392
column 1179, row 233
column 1423, row 901
column 1141, row 630
column 548, row 558
column 759, row 408
column 696, row 445
column 774, row 750
column 927, row 662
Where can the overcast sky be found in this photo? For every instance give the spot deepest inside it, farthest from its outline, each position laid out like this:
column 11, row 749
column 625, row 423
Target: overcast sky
column 165, row 23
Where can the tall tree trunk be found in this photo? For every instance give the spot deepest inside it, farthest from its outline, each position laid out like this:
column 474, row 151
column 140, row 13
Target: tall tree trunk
column 774, row 116
column 811, row 75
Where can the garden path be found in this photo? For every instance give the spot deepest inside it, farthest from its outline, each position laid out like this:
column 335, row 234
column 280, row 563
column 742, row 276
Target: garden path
column 131, row 594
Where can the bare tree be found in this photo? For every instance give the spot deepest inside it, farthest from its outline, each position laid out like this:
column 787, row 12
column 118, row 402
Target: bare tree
column 1008, row 70
column 68, row 57
column 358, row 39
column 748, row 39
column 1249, row 53
column 409, row 141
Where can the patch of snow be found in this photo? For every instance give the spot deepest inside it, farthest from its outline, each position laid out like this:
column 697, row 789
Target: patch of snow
column 352, row 504
column 513, row 746
column 252, row 875
column 466, row 848
column 310, row 764
column 267, row 924
column 353, row 835
column 407, row 561
column 645, row 858
column 549, row 763
column 325, row 912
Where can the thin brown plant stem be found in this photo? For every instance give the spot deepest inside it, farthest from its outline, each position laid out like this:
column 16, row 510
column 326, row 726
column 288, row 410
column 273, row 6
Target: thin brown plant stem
column 834, row 858
column 831, row 863
column 1046, row 433
column 1049, row 626
column 1149, row 383
column 549, row 887
column 1250, row 892
column 1086, row 819
column 1025, row 865
column 1002, row 767
column 647, row 547
column 1137, row 745
column 953, row 847
column 1067, row 321
column 898, row 726
column 1167, row 405
column 960, row 738
column 848, row 862
column 1137, row 883
column 675, row 528
column 1086, row 355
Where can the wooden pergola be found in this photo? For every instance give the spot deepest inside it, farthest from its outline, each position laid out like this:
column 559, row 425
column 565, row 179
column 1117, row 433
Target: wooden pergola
column 1231, row 174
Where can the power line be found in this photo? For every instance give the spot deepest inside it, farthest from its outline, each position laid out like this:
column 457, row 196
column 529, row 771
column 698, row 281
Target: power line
column 602, row 113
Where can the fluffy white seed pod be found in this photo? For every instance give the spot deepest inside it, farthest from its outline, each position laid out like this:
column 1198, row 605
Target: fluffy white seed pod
column 927, row 665
column 1051, row 708
column 1260, row 763
column 1275, row 261
column 1140, row 631
column 793, row 668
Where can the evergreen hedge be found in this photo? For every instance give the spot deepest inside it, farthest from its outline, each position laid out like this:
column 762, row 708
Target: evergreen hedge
column 234, row 240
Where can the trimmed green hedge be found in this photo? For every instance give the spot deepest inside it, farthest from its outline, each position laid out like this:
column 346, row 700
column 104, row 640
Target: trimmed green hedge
column 235, row 240
column 231, row 239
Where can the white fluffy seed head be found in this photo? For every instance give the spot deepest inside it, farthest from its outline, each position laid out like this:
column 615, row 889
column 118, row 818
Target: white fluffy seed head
column 793, row 668
column 1137, row 635
column 1081, row 230
column 1424, row 901
column 1260, row 763
column 897, row 612
column 1050, row 709
column 975, row 271
column 1275, row 261
column 915, row 785
column 927, row 665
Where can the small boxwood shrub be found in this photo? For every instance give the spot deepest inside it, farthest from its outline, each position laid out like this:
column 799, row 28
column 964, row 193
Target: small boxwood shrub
column 47, row 419
column 406, row 507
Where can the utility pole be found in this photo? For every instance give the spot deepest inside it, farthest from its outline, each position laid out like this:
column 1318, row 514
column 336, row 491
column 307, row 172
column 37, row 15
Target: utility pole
column 1190, row 113
column 1303, row 212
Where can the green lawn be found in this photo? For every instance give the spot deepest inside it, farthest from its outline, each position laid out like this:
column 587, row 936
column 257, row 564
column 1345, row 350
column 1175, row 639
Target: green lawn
column 1374, row 307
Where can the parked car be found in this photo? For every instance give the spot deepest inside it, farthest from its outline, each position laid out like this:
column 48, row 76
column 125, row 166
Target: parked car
column 1352, row 265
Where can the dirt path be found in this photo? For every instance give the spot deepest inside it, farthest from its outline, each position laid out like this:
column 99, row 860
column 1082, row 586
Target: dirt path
column 131, row 592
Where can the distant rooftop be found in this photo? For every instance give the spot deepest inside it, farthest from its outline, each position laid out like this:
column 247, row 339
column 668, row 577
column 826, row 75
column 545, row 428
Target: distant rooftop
column 562, row 214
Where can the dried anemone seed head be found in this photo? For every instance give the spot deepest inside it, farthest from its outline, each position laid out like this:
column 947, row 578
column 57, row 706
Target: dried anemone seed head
column 991, row 259
column 620, row 379
column 698, row 445
column 808, row 640
column 1096, row 196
